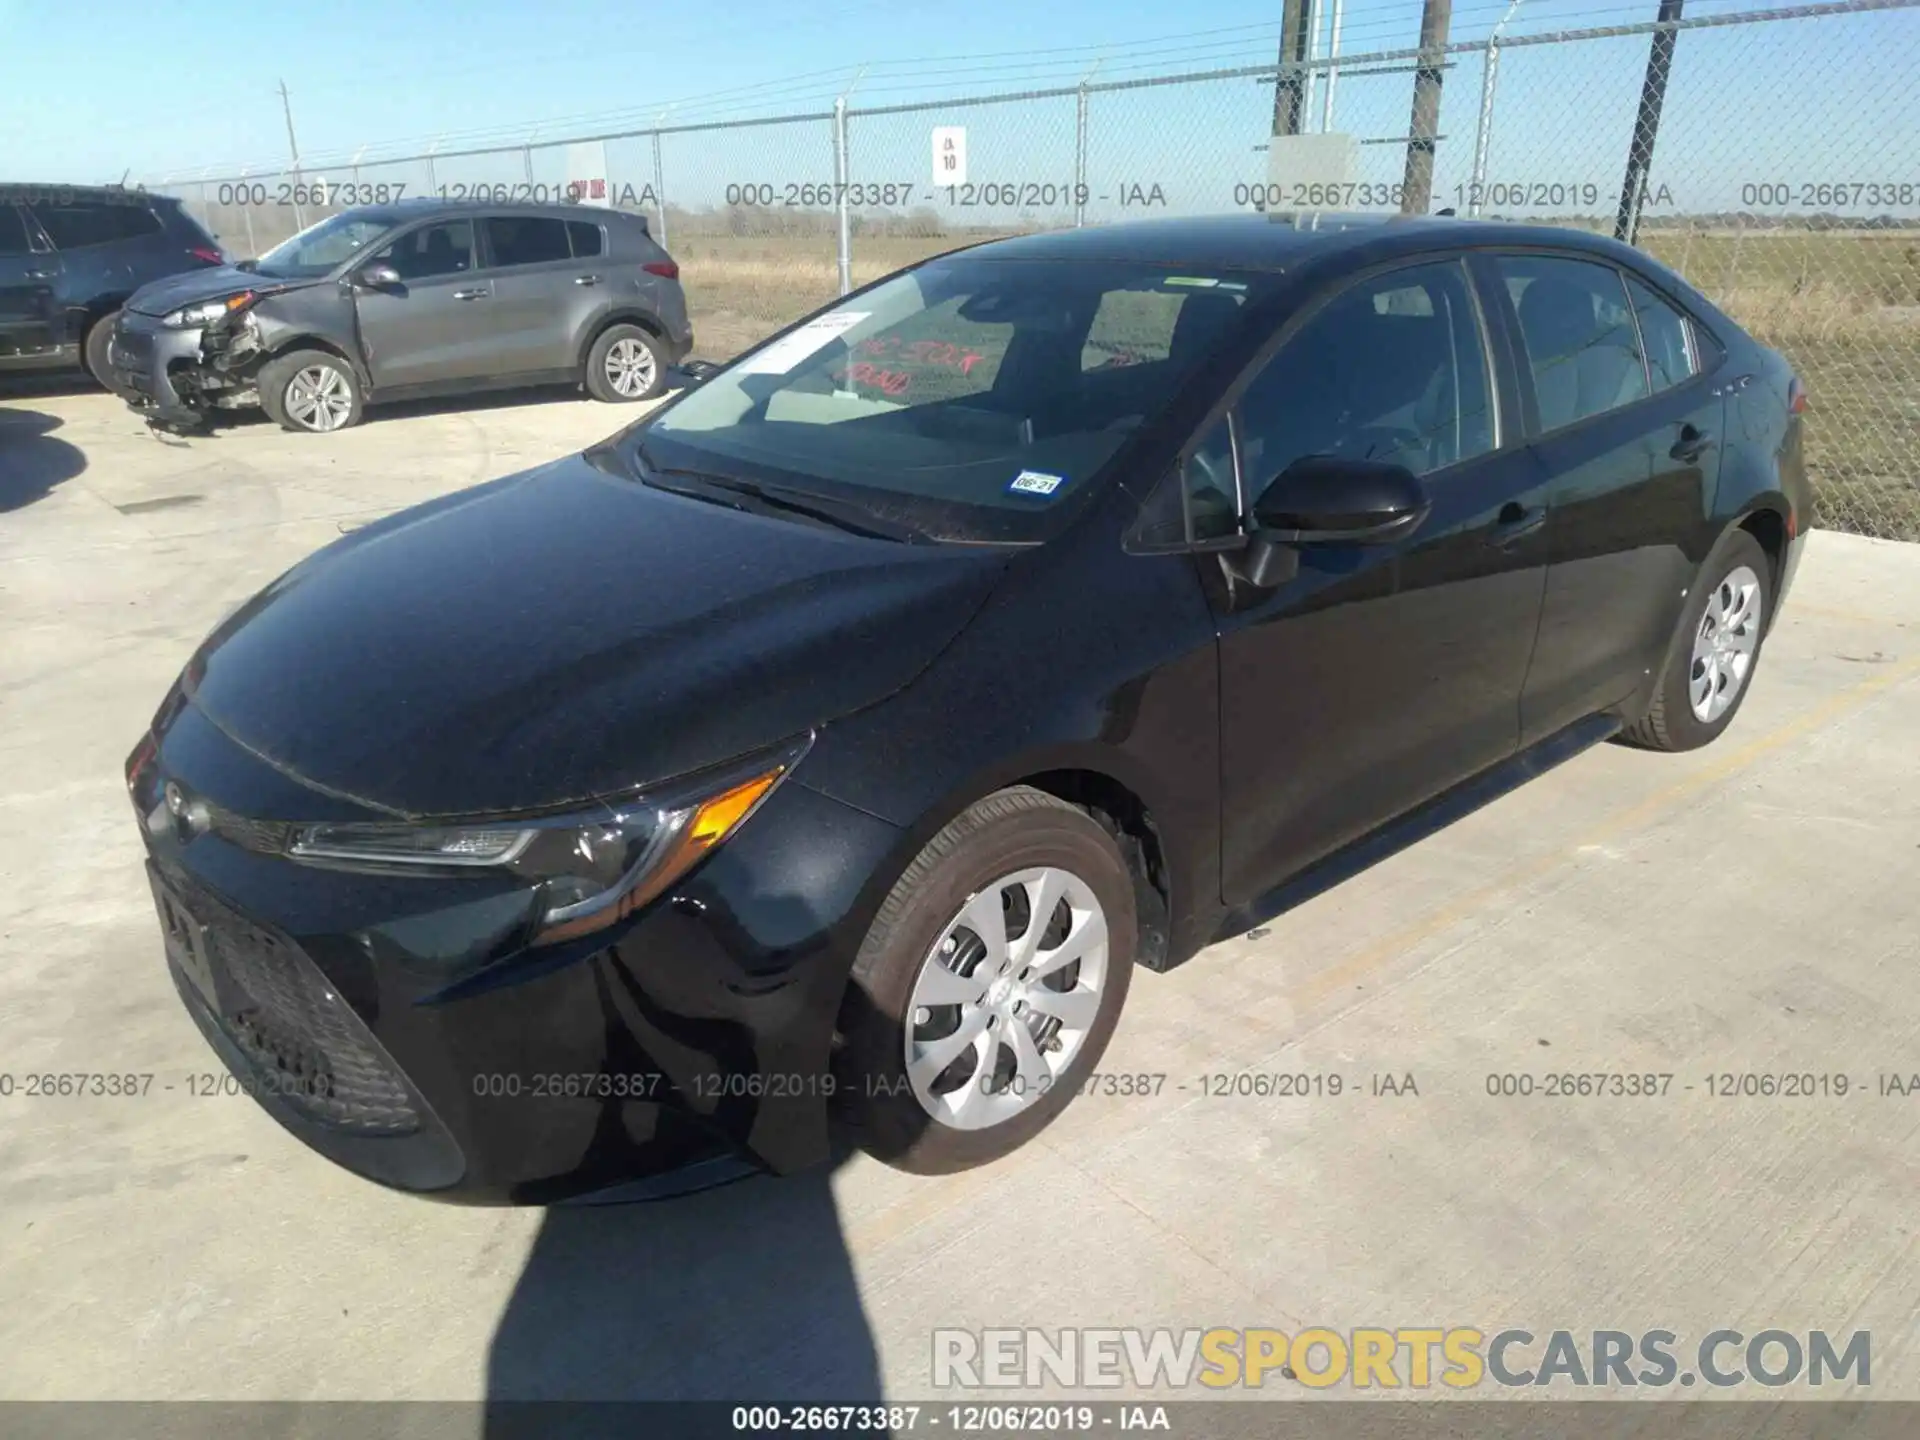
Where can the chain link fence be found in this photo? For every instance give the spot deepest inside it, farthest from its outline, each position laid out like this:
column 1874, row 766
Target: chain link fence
column 1772, row 157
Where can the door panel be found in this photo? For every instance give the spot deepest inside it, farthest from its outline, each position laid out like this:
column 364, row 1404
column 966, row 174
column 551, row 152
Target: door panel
column 1380, row 674
column 542, row 298
column 1623, row 506
column 434, row 326
column 29, row 290
column 1633, row 476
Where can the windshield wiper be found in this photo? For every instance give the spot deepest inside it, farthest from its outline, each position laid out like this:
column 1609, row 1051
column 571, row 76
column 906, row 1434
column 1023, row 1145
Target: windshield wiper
column 727, row 490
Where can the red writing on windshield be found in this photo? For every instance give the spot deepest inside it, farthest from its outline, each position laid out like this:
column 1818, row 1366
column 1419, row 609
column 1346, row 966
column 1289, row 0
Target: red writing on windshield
column 888, row 382
column 942, row 353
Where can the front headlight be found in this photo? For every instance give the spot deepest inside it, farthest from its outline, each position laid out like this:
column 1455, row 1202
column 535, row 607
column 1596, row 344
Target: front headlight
column 207, row 311
column 591, row 870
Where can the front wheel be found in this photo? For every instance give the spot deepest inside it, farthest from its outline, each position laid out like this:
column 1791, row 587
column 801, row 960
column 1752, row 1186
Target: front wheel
column 625, row 364
column 989, row 985
column 1715, row 653
column 313, row 391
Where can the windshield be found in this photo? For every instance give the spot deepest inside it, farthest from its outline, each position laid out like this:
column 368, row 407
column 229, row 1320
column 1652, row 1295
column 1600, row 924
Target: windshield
column 968, row 398
column 316, row 250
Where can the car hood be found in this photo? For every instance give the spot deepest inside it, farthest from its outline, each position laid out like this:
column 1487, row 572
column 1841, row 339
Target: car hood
column 569, row 633
column 162, row 297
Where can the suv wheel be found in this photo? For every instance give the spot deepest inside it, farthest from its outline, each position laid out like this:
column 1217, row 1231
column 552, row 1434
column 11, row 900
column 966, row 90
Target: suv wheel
column 95, row 348
column 989, row 985
column 624, row 365
column 310, row 390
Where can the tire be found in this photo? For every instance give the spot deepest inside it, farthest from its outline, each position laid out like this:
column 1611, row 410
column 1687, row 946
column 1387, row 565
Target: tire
column 1020, row 844
column 625, row 355
column 287, row 384
column 94, row 351
column 1739, row 575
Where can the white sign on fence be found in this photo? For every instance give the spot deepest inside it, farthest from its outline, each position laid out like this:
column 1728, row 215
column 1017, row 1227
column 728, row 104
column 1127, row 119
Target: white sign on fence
column 949, row 155
column 1311, row 172
column 586, row 172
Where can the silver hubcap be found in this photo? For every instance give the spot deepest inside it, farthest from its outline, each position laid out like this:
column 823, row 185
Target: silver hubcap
column 319, row 398
column 1005, row 998
column 1723, row 646
column 630, row 368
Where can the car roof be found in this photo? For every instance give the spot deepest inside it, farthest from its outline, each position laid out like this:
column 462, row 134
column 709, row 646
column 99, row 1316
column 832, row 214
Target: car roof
column 50, row 192
column 422, row 206
column 1278, row 241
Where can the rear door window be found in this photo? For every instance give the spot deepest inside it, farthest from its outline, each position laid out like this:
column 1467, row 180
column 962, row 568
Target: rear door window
column 79, row 223
column 1582, row 347
column 526, row 240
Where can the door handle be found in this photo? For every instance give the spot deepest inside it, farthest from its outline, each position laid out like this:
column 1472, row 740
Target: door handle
column 42, row 274
column 586, row 279
column 1692, row 444
column 1516, row 521
column 471, row 294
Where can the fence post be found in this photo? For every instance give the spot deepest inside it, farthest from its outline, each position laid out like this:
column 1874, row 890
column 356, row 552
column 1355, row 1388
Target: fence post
column 1436, row 17
column 1289, row 86
column 659, row 189
column 1646, row 126
column 1080, row 158
column 1483, row 131
column 1333, row 70
column 840, row 190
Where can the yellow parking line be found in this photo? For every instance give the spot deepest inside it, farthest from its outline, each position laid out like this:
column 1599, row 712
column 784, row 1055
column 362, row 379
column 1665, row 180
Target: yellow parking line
column 1342, row 975
column 1793, row 612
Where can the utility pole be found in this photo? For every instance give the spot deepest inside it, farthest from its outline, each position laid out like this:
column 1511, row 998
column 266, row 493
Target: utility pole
column 1653, row 93
column 1436, row 19
column 1290, row 87
column 293, row 145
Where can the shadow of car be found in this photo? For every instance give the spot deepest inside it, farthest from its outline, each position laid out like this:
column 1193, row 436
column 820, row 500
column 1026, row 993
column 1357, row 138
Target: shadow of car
column 32, row 459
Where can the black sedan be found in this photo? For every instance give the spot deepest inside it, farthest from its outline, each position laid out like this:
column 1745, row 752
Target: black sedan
column 830, row 745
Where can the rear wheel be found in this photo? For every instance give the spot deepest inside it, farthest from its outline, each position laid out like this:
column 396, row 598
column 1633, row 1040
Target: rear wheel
column 625, row 364
column 313, row 391
column 1716, row 651
column 989, row 985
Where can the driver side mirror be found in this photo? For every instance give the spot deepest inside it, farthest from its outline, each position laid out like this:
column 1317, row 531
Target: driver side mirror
column 376, row 275
column 1323, row 499
column 1320, row 499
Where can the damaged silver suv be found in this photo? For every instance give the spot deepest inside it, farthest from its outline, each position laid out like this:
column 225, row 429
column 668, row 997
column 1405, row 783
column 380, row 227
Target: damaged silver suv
column 391, row 302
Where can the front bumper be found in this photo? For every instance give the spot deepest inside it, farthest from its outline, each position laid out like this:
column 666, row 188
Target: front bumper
column 177, row 377
column 147, row 360
column 393, row 1025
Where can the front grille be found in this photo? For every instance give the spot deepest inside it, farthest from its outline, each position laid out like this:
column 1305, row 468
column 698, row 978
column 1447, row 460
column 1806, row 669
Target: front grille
column 311, row 1050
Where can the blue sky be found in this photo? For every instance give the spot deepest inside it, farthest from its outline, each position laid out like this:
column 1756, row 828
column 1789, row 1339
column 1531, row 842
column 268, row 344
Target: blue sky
column 167, row 91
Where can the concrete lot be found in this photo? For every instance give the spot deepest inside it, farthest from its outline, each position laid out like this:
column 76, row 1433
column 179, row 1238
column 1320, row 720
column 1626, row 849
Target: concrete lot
column 1750, row 908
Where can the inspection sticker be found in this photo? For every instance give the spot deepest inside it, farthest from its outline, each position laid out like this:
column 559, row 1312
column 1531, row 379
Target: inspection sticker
column 788, row 351
column 1035, row 482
